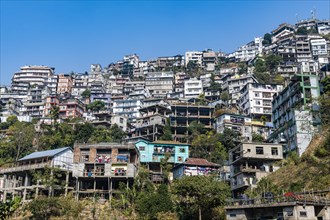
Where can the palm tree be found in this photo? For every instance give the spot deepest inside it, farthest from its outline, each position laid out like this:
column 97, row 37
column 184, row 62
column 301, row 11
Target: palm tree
column 54, row 114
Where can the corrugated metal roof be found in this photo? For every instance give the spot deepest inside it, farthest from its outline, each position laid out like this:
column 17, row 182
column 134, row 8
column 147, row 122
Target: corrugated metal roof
column 200, row 162
column 46, row 153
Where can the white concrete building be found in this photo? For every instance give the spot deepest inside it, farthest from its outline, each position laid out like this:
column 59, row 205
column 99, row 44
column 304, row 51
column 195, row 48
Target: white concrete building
column 127, row 107
column 249, row 51
column 256, row 99
column 193, row 88
column 160, row 83
column 29, row 76
column 319, row 47
column 194, row 56
column 234, row 84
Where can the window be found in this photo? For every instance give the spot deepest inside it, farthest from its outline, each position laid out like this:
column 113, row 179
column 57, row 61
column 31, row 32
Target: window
column 142, row 148
column 274, row 151
column 121, row 120
column 258, row 102
column 259, row 150
column 248, row 150
column 182, row 150
column 232, row 215
column 180, row 159
column 303, row 214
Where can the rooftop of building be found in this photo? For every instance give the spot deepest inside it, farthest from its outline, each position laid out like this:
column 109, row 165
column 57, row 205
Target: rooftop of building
column 200, row 162
column 42, row 154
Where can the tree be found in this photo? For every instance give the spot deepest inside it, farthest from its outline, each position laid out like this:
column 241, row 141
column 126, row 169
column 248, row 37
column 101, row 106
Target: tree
column 83, row 132
column 149, row 204
column 228, row 138
column 302, row 31
column 263, row 77
column 86, row 94
column 198, row 195
column 267, row 39
column 167, row 132
column 242, row 68
column 96, row 106
column 272, row 61
column 116, row 133
column 54, row 113
column 224, row 96
column 257, row 137
column 260, row 66
column 100, row 134
column 21, row 139
column 195, row 129
column 207, row 146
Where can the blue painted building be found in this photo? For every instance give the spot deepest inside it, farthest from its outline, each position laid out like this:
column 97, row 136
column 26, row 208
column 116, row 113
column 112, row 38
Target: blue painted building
column 153, row 152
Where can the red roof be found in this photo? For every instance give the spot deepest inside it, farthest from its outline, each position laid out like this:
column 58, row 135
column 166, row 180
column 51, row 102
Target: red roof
column 200, row 162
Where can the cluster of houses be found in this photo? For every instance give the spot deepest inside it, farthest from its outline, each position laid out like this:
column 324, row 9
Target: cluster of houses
column 143, row 97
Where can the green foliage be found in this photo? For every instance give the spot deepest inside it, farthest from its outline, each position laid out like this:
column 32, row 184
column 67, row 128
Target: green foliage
column 86, row 93
column 8, row 208
column 96, row 106
column 207, row 146
column 150, row 204
column 167, row 132
column 272, row 61
column 242, row 68
column 49, row 177
column 199, row 193
column 263, row 77
column 302, row 31
column 116, row 133
column 44, row 208
column 257, row 137
column 83, row 132
column 10, row 121
column 264, row 185
column 260, row 66
column 228, row 139
column 224, row 96
column 64, row 207
column 267, row 39
column 194, row 130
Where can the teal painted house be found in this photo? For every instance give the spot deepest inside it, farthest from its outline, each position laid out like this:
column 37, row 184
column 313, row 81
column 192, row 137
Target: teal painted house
column 152, row 152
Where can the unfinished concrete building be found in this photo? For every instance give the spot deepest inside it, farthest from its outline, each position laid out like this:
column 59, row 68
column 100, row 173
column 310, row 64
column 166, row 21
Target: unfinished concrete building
column 20, row 178
column 100, row 168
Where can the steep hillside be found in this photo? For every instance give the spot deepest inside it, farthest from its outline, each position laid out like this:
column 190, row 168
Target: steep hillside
column 311, row 171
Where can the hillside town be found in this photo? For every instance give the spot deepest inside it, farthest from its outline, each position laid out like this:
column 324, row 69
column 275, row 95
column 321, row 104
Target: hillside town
column 167, row 113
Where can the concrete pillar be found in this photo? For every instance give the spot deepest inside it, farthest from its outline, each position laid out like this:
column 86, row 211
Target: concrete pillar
column 67, row 183
column 37, row 189
column 5, row 188
column 14, row 184
column 50, row 191
column 94, row 190
column 26, row 180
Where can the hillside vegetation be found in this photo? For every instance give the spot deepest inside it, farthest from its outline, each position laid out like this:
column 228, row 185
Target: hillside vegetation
column 311, row 171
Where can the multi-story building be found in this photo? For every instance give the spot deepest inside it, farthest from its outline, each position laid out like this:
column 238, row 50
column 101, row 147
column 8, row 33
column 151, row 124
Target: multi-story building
column 250, row 162
column 151, row 123
column 132, row 59
column 160, row 83
column 35, row 103
column 195, row 167
column 249, row 51
column 194, row 56
column 64, row 84
column 234, row 84
column 193, row 88
column 319, row 48
column 256, row 99
column 209, row 60
column 170, row 62
column 99, row 168
column 71, row 108
column 303, row 48
column 238, row 123
column 30, row 76
column 151, row 154
column 17, row 179
column 283, row 31
column 127, row 107
column 294, row 112
column 184, row 114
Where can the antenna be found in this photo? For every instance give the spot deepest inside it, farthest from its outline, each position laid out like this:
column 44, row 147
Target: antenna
column 297, row 18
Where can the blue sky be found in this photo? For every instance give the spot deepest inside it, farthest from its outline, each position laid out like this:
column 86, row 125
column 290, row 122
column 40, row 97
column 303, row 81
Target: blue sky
column 71, row 35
